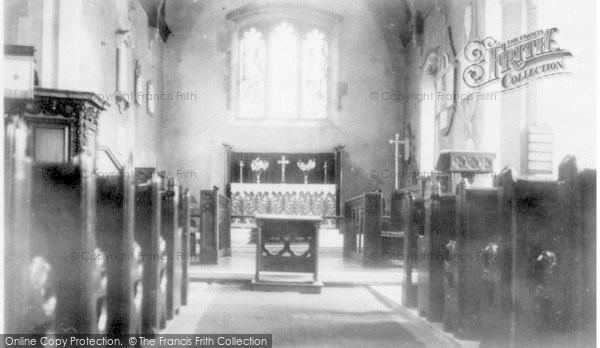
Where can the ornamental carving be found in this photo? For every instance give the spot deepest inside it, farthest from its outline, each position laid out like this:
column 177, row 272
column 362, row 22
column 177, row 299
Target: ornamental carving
column 79, row 111
column 251, row 199
column 207, row 201
column 466, row 162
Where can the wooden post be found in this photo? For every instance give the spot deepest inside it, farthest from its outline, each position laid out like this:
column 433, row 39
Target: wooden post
column 339, row 165
column 225, row 221
column 171, row 232
column 185, row 244
column 372, row 228
column 17, row 231
column 209, row 252
column 412, row 203
column 227, row 170
column 317, row 227
column 259, row 235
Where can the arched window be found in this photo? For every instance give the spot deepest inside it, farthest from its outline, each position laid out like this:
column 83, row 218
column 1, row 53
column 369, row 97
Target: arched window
column 252, row 73
column 283, row 72
column 283, row 63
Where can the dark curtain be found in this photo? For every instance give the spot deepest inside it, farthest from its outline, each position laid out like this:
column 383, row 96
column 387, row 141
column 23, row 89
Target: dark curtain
column 293, row 174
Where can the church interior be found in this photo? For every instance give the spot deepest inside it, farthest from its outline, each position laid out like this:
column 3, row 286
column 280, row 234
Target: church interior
column 305, row 173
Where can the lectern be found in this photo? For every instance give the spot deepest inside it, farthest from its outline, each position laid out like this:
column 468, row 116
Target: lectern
column 287, row 244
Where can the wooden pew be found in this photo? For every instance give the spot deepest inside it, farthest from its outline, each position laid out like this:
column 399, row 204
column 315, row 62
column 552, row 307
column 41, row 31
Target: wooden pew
column 472, row 262
column 495, row 262
column 442, row 262
column 148, row 201
column 172, row 234
column 523, row 278
column 587, row 308
column 115, row 235
column 63, row 222
column 440, row 210
column 29, row 278
column 215, row 226
column 362, row 228
column 545, row 268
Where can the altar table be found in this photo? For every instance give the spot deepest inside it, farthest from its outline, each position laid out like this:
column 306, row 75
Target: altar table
column 287, row 244
column 249, row 199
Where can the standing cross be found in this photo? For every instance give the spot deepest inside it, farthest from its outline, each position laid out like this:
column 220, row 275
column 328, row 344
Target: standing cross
column 396, row 143
column 283, row 163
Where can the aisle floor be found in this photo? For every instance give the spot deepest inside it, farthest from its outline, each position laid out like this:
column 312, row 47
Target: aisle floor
column 338, row 317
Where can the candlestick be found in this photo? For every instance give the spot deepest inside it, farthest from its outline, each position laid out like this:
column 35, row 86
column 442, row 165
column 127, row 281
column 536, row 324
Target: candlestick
column 241, row 171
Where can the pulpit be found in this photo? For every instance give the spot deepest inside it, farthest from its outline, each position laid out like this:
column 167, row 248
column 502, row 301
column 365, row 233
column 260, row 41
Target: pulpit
column 63, row 123
column 287, row 244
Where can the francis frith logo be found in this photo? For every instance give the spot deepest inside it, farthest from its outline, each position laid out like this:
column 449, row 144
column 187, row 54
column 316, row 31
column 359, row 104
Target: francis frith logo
column 516, row 62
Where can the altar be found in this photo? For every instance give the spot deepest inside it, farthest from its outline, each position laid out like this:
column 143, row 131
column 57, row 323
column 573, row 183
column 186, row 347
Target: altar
column 249, row 199
column 305, row 184
column 287, row 244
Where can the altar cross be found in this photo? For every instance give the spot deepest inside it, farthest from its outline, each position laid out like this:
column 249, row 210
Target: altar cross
column 283, row 163
column 397, row 143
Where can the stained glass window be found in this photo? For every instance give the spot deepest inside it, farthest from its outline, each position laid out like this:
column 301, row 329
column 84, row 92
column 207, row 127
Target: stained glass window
column 252, row 74
column 283, row 73
column 314, row 79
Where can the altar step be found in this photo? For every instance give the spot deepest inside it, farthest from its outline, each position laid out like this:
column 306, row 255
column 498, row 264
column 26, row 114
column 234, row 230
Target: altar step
column 295, row 282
